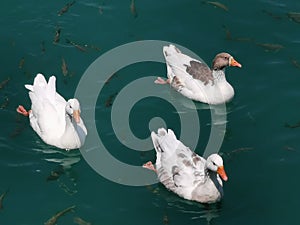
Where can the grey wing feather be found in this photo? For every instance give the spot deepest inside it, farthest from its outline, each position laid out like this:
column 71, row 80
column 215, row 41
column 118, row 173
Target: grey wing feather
column 200, row 71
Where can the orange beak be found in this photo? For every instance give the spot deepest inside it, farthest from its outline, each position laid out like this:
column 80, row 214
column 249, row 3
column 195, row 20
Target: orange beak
column 76, row 116
column 233, row 62
column 222, row 173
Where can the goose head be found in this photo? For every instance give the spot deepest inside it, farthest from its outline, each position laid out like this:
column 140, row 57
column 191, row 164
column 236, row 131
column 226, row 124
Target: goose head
column 73, row 109
column 215, row 163
column 223, row 60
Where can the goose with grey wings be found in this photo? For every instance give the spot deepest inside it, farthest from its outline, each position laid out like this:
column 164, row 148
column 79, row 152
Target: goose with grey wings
column 184, row 172
column 195, row 80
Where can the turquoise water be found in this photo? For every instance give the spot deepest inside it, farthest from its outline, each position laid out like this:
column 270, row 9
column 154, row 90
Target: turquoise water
column 261, row 153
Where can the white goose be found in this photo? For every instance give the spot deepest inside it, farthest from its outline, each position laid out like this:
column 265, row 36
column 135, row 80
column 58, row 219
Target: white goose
column 184, row 172
column 56, row 121
column 195, row 80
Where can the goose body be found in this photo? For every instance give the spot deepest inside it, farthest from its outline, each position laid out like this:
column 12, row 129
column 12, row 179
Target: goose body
column 184, row 172
column 55, row 120
column 195, row 80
